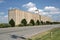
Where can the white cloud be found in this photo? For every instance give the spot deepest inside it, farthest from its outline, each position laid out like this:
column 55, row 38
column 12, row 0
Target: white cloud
column 4, row 19
column 2, row 13
column 52, row 10
column 6, row 16
column 10, row 8
column 1, row 1
column 31, row 7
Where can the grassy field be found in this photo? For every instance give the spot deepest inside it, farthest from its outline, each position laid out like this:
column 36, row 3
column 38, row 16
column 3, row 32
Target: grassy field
column 53, row 34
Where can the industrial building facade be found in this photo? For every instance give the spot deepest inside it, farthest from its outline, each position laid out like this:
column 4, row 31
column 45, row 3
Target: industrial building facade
column 17, row 15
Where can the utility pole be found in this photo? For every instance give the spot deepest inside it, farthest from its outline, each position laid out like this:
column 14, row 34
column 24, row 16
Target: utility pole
column 51, row 35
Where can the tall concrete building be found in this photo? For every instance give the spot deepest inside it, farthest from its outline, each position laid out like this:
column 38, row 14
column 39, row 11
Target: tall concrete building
column 17, row 15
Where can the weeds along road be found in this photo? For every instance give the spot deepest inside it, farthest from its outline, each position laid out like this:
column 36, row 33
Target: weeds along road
column 21, row 33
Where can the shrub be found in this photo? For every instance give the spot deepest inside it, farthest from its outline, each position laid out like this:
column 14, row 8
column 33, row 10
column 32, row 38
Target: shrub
column 47, row 22
column 4, row 25
column 55, row 22
column 24, row 22
column 32, row 22
column 12, row 23
column 20, row 25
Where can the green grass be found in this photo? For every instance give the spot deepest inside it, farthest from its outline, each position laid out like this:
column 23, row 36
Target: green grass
column 53, row 34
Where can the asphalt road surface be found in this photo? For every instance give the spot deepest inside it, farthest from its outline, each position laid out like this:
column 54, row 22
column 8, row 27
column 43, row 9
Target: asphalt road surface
column 21, row 33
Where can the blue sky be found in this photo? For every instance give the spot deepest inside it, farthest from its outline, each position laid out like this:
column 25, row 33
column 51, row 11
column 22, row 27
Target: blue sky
column 49, row 8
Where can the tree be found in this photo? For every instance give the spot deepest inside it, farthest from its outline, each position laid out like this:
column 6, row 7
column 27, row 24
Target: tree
column 37, row 22
column 42, row 22
column 12, row 23
column 32, row 22
column 24, row 22
column 47, row 22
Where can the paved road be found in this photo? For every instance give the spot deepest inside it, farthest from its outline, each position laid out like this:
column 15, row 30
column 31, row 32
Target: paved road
column 20, row 33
